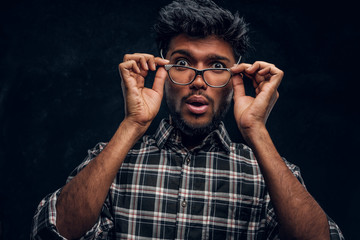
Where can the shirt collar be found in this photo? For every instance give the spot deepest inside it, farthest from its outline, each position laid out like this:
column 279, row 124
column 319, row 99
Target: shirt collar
column 166, row 132
column 163, row 132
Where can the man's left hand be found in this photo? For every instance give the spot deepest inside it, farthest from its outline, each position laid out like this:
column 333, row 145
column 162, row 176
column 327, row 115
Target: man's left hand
column 251, row 113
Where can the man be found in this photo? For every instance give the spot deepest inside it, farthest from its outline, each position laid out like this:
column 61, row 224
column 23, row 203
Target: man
column 188, row 180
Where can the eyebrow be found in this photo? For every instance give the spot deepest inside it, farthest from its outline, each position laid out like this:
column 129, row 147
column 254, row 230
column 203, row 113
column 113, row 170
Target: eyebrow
column 210, row 56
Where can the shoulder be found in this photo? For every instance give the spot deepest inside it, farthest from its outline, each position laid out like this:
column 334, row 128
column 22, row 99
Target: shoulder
column 242, row 153
column 146, row 144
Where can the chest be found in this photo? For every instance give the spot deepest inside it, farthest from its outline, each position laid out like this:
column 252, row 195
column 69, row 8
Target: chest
column 206, row 195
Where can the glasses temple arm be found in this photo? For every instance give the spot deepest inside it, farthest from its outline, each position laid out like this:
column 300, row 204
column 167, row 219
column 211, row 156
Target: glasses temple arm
column 238, row 62
column 161, row 54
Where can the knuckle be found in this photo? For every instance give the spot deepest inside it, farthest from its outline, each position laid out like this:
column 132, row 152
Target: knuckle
column 126, row 57
column 122, row 65
column 130, row 61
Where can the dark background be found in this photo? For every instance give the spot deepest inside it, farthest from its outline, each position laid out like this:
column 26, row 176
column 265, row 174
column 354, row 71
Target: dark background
column 60, row 93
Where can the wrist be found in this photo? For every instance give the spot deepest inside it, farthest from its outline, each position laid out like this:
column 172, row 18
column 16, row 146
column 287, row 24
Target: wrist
column 254, row 134
column 132, row 129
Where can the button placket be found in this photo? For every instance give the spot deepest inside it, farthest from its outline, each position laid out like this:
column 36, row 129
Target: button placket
column 187, row 159
column 182, row 197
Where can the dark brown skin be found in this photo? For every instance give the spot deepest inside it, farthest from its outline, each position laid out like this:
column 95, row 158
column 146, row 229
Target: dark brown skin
column 81, row 200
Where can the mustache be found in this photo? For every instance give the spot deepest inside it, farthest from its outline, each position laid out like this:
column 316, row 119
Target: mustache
column 210, row 99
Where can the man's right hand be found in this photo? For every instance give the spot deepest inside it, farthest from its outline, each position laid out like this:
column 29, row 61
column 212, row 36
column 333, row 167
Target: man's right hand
column 81, row 200
column 142, row 104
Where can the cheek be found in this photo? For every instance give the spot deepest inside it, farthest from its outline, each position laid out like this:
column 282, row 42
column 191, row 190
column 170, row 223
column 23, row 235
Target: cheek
column 229, row 95
column 172, row 94
column 224, row 98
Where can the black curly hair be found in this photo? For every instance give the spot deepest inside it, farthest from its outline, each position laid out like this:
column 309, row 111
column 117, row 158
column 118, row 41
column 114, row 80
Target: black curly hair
column 199, row 19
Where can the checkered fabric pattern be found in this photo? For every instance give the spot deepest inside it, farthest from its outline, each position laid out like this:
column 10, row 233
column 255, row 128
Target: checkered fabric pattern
column 164, row 191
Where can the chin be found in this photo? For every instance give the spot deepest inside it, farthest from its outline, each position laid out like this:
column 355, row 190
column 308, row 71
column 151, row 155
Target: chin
column 197, row 121
column 195, row 127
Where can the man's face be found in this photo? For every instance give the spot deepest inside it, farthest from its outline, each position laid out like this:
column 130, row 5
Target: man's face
column 197, row 108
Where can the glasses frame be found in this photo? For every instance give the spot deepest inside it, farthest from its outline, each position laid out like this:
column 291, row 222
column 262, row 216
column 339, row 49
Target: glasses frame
column 197, row 72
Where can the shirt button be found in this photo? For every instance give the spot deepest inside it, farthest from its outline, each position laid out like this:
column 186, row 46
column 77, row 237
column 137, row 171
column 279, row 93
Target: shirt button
column 183, row 204
column 188, row 160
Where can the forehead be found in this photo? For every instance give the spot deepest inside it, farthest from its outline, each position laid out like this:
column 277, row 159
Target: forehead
column 200, row 47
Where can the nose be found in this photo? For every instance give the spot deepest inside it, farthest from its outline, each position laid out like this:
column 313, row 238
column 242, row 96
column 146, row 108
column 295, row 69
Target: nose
column 198, row 83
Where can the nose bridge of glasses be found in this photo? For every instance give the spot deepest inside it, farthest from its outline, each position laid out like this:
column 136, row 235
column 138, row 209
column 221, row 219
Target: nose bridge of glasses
column 199, row 73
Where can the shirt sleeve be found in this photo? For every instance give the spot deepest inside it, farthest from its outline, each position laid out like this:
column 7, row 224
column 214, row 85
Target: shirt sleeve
column 335, row 232
column 271, row 220
column 44, row 221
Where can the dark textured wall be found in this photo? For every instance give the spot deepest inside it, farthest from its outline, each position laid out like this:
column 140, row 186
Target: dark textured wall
column 60, row 92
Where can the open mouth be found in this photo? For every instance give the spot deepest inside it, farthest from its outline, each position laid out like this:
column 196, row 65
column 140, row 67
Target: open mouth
column 197, row 104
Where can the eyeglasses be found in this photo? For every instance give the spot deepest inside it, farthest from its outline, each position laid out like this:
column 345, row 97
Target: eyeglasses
column 184, row 75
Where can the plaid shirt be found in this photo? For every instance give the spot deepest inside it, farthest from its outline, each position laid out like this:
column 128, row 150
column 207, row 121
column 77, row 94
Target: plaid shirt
column 164, row 191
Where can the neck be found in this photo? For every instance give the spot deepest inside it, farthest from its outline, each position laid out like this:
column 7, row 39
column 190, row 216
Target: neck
column 190, row 142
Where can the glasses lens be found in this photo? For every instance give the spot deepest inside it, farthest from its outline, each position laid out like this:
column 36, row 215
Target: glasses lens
column 214, row 77
column 181, row 75
column 217, row 77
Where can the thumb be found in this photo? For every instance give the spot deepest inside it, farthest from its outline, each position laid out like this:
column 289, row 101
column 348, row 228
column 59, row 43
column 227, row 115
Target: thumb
column 241, row 101
column 238, row 86
column 159, row 80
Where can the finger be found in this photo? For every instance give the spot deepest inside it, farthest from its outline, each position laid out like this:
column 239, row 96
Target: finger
column 257, row 91
column 276, row 79
column 238, row 68
column 273, row 74
column 161, row 62
column 144, row 62
column 256, row 78
column 129, row 71
column 258, row 66
column 151, row 63
column 259, row 88
column 127, row 57
column 127, row 66
column 270, row 69
column 255, row 84
column 159, row 81
column 265, row 71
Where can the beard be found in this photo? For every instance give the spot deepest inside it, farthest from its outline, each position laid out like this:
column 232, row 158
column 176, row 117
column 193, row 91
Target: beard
column 190, row 129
